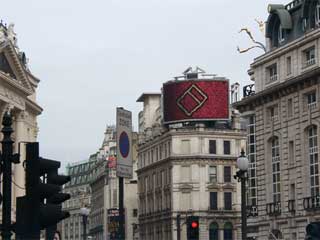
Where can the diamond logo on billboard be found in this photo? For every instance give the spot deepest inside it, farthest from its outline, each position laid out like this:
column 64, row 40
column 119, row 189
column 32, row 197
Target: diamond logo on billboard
column 191, row 100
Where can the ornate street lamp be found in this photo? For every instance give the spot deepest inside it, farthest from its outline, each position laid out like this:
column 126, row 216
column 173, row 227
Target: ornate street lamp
column 241, row 175
column 84, row 212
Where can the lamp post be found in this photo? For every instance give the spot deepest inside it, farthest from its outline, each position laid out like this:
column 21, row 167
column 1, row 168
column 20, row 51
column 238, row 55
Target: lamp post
column 243, row 164
column 84, row 213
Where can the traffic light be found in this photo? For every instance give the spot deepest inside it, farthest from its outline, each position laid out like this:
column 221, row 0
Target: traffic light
column 41, row 207
column 193, row 228
column 313, row 231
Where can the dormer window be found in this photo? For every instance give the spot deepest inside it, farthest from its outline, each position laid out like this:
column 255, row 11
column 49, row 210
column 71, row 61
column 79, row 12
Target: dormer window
column 281, row 34
column 317, row 15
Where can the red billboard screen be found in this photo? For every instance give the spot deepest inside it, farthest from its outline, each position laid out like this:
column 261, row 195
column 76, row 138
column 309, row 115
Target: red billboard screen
column 195, row 100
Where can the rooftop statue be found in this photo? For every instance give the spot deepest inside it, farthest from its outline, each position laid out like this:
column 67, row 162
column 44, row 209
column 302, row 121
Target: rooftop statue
column 12, row 36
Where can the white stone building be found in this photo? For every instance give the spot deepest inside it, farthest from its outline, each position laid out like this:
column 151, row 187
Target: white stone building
column 187, row 169
column 18, row 95
column 283, row 117
column 105, row 190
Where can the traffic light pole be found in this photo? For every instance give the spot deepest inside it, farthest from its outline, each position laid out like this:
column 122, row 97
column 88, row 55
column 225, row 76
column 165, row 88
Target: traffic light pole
column 178, row 227
column 7, row 150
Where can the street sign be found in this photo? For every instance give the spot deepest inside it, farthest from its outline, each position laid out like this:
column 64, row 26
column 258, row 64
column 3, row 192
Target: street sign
column 114, row 220
column 124, row 140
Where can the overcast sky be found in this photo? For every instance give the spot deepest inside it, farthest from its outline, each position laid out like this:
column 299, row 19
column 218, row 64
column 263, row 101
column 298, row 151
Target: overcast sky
column 93, row 56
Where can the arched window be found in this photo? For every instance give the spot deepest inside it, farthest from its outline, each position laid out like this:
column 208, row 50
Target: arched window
column 214, row 231
column 313, row 159
column 227, row 231
column 275, row 159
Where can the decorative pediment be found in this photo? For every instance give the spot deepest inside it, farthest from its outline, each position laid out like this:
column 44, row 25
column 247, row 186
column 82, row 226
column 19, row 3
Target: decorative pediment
column 12, row 69
column 185, row 188
column 213, row 186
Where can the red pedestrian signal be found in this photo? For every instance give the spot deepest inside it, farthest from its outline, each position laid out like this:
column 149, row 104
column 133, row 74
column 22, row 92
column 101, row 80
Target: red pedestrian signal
column 194, row 224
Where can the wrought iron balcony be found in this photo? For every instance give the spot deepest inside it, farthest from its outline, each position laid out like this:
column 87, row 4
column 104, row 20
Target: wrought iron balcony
column 248, row 90
column 252, row 211
column 292, row 205
column 311, row 203
column 273, row 209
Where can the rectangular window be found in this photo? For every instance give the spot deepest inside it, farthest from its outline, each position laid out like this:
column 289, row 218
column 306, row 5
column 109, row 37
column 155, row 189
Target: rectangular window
column 227, row 174
column 226, row 147
column 309, row 56
column 290, row 108
column 212, row 147
column 289, row 68
column 311, row 100
column 272, row 73
column 185, row 146
column 213, row 200
column 212, row 174
column 228, row 201
column 273, row 113
column 318, row 14
column 291, row 153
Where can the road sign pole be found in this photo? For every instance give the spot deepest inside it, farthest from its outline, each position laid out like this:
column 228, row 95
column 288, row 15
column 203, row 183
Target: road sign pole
column 121, row 209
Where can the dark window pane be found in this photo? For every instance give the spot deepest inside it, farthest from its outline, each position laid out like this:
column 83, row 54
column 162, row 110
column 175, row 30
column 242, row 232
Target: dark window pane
column 226, row 147
column 212, row 147
column 228, row 201
column 214, row 200
column 227, row 174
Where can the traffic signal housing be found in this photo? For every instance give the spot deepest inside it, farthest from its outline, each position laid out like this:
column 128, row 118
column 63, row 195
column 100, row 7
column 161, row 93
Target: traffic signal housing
column 193, row 228
column 41, row 207
column 313, row 231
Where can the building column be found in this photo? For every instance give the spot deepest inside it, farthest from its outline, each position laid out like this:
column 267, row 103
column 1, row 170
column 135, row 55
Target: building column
column 20, row 136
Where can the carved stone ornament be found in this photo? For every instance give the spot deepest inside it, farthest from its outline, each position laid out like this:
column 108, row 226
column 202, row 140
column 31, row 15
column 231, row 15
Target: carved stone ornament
column 12, row 36
column 2, row 34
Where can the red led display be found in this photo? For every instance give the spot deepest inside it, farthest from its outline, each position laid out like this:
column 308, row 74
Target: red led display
column 195, row 100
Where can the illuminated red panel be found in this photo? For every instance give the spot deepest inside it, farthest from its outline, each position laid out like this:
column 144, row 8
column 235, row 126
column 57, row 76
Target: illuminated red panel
column 195, row 100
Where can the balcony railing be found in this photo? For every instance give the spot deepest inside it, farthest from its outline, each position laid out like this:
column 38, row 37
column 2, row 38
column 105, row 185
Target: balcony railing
column 273, row 78
column 310, row 62
column 273, row 209
column 248, row 90
column 292, row 205
column 252, row 211
column 311, row 203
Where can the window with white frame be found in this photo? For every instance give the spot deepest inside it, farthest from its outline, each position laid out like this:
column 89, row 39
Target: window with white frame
column 309, row 56
column 252, row 186
column 272, row 73
column 313, row 159
column 311, row 100
column 273, row 113
column 212, row 174
column 275, row 159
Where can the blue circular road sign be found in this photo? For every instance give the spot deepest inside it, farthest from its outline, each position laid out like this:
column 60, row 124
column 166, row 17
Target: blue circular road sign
column 124, row 144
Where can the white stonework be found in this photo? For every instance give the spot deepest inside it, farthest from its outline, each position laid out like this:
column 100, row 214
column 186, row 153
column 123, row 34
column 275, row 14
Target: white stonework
column 18, row 94
column 173, row 175
column 105, row 191
column 284, row 126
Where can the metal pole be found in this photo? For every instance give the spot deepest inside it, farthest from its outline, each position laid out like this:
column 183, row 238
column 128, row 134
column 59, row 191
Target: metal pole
column 243, row 206
column 121, row 209
column 7, row 174
column 178, row 227
column 84, row 220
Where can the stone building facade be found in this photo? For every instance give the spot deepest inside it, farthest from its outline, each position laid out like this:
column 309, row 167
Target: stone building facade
column 283, row 124
column 187, row 169
column 105, row 190
column 79, row 189
column 18, row 88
